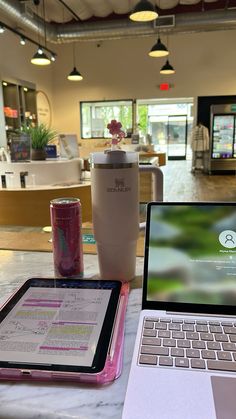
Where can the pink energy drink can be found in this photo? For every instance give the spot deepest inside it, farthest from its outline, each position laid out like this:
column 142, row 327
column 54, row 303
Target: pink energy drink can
column 66, row 221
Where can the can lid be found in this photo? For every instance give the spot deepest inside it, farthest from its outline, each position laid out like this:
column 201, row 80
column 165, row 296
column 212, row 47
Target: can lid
column 64, row 201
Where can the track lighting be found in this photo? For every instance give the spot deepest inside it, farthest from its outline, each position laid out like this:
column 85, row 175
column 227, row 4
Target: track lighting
column 43, row 59
column 22, row 40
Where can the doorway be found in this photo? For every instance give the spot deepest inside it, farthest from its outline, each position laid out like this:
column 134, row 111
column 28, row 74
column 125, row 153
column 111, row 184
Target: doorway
column 177, row 130
column 169, row 124
column 169, row 134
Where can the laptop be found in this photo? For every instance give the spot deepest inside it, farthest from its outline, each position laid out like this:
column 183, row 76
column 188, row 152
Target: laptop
column 184, row 360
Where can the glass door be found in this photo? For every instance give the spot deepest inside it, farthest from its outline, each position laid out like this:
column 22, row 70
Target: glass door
column 158, row 126
column 177, row 137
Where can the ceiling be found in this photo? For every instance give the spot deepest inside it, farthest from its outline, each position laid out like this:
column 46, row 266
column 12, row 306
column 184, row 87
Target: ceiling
column 62, row 11
column 88, row 20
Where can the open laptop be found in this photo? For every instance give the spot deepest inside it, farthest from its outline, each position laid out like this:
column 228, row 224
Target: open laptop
column 184, row 361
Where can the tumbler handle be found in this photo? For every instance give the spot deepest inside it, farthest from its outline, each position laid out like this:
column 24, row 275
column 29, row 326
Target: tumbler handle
column 158, row 188
column 157, row 175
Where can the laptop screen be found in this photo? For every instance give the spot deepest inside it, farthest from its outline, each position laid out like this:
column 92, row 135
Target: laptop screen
column 190, row 254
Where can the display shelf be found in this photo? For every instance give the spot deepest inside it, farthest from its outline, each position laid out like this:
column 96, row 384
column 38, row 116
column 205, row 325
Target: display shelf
column 19, row 104
column 29, row 107
column 11, row 106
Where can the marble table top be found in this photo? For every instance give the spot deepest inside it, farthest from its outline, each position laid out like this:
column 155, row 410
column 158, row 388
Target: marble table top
column 64, row 400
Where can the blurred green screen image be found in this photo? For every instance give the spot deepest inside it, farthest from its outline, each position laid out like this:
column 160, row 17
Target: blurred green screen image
column 192, row 254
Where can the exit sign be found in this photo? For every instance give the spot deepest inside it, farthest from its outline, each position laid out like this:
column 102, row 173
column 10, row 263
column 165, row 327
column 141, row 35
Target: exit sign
column 165, row 86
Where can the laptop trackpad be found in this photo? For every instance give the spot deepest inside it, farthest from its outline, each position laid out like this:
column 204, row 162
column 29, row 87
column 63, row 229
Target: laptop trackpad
column 224, row 392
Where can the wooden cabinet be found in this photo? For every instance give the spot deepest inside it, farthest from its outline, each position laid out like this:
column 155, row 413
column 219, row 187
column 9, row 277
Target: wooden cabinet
column 19, row 104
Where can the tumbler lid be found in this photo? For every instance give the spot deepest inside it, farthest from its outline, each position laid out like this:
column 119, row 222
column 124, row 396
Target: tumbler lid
column 114, row 157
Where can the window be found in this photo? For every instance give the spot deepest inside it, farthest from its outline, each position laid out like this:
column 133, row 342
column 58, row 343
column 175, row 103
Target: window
column 96, row 115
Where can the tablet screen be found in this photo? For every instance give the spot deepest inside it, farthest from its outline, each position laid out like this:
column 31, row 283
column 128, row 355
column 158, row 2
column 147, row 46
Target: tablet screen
column 63, row 324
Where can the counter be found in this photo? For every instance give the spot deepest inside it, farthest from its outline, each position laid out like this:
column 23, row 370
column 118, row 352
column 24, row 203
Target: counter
column 46, row 172
column 30, row 206
column 60, row 400
column 45, row 180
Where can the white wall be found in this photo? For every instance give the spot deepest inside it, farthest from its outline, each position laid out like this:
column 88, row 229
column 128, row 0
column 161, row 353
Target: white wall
column 205, row 65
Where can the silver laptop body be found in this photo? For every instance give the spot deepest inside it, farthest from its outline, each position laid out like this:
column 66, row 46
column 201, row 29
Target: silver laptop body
column 184, row 360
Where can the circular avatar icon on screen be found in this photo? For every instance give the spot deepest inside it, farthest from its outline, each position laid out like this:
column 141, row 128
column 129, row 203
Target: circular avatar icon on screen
column 228, row 239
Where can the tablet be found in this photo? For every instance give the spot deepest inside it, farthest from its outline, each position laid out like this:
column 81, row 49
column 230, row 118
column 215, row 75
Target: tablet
column 58, row 325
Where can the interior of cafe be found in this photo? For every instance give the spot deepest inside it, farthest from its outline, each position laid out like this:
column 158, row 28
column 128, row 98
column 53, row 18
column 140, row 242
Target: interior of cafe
column 118, row 74
column 69, row 69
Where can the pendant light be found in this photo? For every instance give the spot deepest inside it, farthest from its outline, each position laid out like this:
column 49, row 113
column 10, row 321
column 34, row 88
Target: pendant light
column 159, row 49
column 40, row 57
column 167, row 68
column 74, row 74
column 144, row 11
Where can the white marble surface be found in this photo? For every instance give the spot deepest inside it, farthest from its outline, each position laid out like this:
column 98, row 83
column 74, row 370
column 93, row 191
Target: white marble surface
column 60, row 400
column 42, row 174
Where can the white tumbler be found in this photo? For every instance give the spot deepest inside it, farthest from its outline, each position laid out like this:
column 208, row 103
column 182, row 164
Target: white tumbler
column 115, row 210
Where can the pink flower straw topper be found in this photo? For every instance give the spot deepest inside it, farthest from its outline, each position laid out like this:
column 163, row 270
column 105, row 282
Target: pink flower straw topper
column 116, row 132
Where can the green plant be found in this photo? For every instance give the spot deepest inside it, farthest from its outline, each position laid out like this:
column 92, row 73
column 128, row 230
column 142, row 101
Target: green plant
column 40, row 135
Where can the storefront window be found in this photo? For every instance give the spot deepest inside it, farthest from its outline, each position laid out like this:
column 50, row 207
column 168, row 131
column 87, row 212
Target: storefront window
column 96, row 115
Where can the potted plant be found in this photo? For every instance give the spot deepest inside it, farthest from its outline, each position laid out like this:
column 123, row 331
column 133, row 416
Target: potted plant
column 40, row 136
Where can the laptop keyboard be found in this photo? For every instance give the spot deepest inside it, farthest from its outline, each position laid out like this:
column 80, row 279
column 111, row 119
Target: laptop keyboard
column 189, row 344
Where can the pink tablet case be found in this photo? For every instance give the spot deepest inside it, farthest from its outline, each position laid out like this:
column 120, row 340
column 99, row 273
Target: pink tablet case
column 113, row 364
